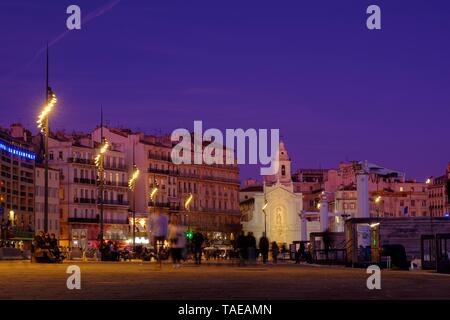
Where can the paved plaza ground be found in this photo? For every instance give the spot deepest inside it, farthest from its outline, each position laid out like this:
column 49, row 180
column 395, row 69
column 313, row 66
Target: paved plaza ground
column 137, row 280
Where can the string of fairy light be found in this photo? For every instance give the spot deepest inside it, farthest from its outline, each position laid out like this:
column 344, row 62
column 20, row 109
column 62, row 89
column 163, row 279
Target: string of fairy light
column 99, row 156
column 45, row 112
column 132, row 181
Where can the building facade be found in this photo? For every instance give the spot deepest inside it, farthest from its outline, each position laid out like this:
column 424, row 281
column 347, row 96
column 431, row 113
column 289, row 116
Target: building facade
column 17, row 178
column 80, row 206
column 390, row 193
column 439, row 194
column 275, row 208
column 215, row 205
column 53, row 200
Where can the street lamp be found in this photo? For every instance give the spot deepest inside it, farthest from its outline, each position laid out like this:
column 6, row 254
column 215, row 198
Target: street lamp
column 377, row 202
column 187, row 207
column 42, row 124
column 99, row 165
column 188, row 201
column 11, row 217
column 132, row 187
column 154, row 191
column 265, row 216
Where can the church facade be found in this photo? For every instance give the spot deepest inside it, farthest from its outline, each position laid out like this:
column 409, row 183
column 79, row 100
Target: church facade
column 273, row 206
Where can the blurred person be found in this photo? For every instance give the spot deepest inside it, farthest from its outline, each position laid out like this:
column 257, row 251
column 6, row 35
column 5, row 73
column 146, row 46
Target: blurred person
column 242, row 248
column 54, row 246
column 251, row 247
column 177, row 241
column 264, row 247
column 198, row 240
column 158, row 230
column 275, row 252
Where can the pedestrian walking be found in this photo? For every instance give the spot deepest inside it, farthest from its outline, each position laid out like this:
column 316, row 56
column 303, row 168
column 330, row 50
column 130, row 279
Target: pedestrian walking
column 251, row 247
column 198, row 240
column 264, row 247
column 275, row 252
column 177, row 241
column 242, row 248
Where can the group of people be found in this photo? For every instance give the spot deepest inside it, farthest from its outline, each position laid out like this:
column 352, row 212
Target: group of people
column 45, row 248
column 109, row 251
column 247, row 250
column 163, row 228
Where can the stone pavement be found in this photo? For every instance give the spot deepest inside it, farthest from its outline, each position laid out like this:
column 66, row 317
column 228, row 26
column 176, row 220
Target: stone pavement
column 137, row 280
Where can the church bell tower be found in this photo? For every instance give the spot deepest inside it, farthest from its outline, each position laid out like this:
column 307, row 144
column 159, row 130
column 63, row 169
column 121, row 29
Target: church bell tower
column 284, row 171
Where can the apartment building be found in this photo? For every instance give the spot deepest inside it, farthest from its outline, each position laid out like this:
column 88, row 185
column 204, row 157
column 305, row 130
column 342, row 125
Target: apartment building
column 73, row 155
column 17, row 162
column 215, row 205
column 53, row 200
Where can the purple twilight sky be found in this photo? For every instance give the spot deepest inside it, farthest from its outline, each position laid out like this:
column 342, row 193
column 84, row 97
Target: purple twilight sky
column 335, row 89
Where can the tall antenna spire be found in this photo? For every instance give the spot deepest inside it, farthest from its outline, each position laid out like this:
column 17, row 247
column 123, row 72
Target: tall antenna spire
column 101, row 123
column 46, row 78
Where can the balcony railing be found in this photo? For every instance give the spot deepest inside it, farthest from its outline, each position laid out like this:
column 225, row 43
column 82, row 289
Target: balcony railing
column 159, row 204
column 115, row 202
column 97, row 220
column 82, row 161
column 161, row 171
column 85, row 180
column 85, row 200
column 168, row 205
column 115, row 167
column 27, row 180
column 208, row 177
column 116, row 184
column 158, row 157
column 193, row 176
column 220, row 179
column 26, row 165
column 115, row 221
column 84, row 220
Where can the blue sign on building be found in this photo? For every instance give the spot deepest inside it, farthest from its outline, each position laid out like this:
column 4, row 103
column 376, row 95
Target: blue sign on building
column 18, row 152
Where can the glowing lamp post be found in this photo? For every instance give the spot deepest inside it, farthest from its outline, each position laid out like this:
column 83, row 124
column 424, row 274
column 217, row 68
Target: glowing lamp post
column 265, row 216
column 11, row 217
column 187, row 205
column 99, row 165
column 378, row 202
column 188, row 201
column 42, row 124
column 132, row 187
column 154, row 192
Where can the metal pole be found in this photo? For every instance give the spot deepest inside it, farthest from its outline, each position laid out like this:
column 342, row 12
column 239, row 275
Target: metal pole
column 47, row 131
column 134, row 208
column 101, row 177
column 265, row 223
column 134, row 221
